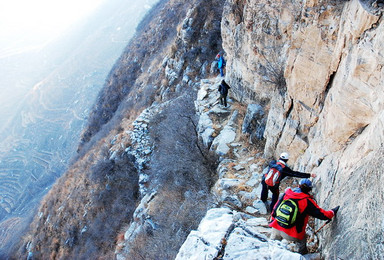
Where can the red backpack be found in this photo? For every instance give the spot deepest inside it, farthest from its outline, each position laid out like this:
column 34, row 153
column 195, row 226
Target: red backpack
column 272, row 177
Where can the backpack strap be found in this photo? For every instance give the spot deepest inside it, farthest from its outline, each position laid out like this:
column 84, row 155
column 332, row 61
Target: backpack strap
column 279, row 202
column 281, row 164
column 277, row 205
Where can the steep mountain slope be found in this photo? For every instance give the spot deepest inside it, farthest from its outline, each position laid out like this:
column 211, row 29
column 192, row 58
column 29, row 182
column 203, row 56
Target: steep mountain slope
column 50, row 93
column 157, row 71
column 146, row 172
column 46, row 98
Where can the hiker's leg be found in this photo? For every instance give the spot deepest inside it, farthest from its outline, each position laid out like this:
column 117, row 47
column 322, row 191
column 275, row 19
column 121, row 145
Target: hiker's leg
column 225, row 100
column 221, row 72
column 221, row 100
column 301, row 244
column 276, row 234
column 264, row 192
column 275, row 196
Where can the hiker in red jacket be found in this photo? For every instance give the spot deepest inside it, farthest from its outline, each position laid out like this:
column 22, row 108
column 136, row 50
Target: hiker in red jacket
column 293, row 229
column 284, row 171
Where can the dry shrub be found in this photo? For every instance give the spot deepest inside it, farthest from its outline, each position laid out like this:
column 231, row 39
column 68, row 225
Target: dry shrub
column 243, row 187
column 240, row 107
column 230, row 175
column 252, row 148
column 176, row 212
column 183, row 186
column 232, row 165
column 120, row 237
column 273, row 68
column 179, row 27
column 101, row 198
column 137, row 249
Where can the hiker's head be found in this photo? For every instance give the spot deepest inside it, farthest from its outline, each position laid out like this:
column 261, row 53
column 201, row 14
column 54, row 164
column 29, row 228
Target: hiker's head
column 284, row 156
column 305, row 185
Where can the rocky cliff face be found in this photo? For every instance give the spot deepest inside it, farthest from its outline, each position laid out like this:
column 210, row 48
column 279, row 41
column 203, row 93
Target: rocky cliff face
column 329, row 113
column 305, row 78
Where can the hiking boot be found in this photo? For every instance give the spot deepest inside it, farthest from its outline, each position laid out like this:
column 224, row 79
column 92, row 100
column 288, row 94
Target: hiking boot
column 267, row 206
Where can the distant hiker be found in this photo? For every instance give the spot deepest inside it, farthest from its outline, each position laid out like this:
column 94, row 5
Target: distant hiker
column 30, row 256
column 277, row 171
column 290, row 215
column 220, row 64
column 223, row 89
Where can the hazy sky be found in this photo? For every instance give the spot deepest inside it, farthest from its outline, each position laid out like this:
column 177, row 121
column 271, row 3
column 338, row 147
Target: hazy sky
column 26, row 24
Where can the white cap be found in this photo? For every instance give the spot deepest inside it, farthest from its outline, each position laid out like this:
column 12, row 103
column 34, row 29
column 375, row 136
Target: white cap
column 284, row 156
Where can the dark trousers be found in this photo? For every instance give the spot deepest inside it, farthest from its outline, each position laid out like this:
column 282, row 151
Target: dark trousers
column 264, row 193
column 223, row 100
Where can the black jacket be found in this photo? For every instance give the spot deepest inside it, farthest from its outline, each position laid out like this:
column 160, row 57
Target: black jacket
column 223, row 88
column 286, row 171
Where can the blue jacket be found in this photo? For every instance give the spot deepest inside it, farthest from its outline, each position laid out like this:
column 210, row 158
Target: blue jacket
column 221, row 62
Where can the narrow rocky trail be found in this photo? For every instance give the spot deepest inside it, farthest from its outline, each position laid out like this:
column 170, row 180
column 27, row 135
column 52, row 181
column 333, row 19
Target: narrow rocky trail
column 238, row 227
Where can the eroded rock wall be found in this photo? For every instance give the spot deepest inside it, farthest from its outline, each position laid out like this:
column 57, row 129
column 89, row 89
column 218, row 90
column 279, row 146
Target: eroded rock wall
column 328, row 114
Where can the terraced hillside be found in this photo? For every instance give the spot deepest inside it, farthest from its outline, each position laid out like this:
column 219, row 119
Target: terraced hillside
column 40, row 133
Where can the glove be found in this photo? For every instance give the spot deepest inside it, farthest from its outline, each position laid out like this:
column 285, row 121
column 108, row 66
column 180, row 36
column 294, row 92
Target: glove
column 335, row 210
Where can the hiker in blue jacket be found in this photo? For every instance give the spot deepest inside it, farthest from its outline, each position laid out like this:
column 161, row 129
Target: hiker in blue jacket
column 283, row 171
column 220, row 64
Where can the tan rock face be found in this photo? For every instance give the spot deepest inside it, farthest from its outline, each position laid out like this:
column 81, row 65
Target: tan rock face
column 330, row 116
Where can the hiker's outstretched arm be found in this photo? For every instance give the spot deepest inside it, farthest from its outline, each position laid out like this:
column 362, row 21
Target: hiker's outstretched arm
column 315, row 211
column 289, row 172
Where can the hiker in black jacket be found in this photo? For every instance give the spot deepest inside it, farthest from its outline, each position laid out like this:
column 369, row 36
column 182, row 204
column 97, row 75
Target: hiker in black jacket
column 283, row 171
column 223, row 89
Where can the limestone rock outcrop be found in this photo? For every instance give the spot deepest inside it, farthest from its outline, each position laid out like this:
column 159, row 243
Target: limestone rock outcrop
column 222, row 231
column 329, row 111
